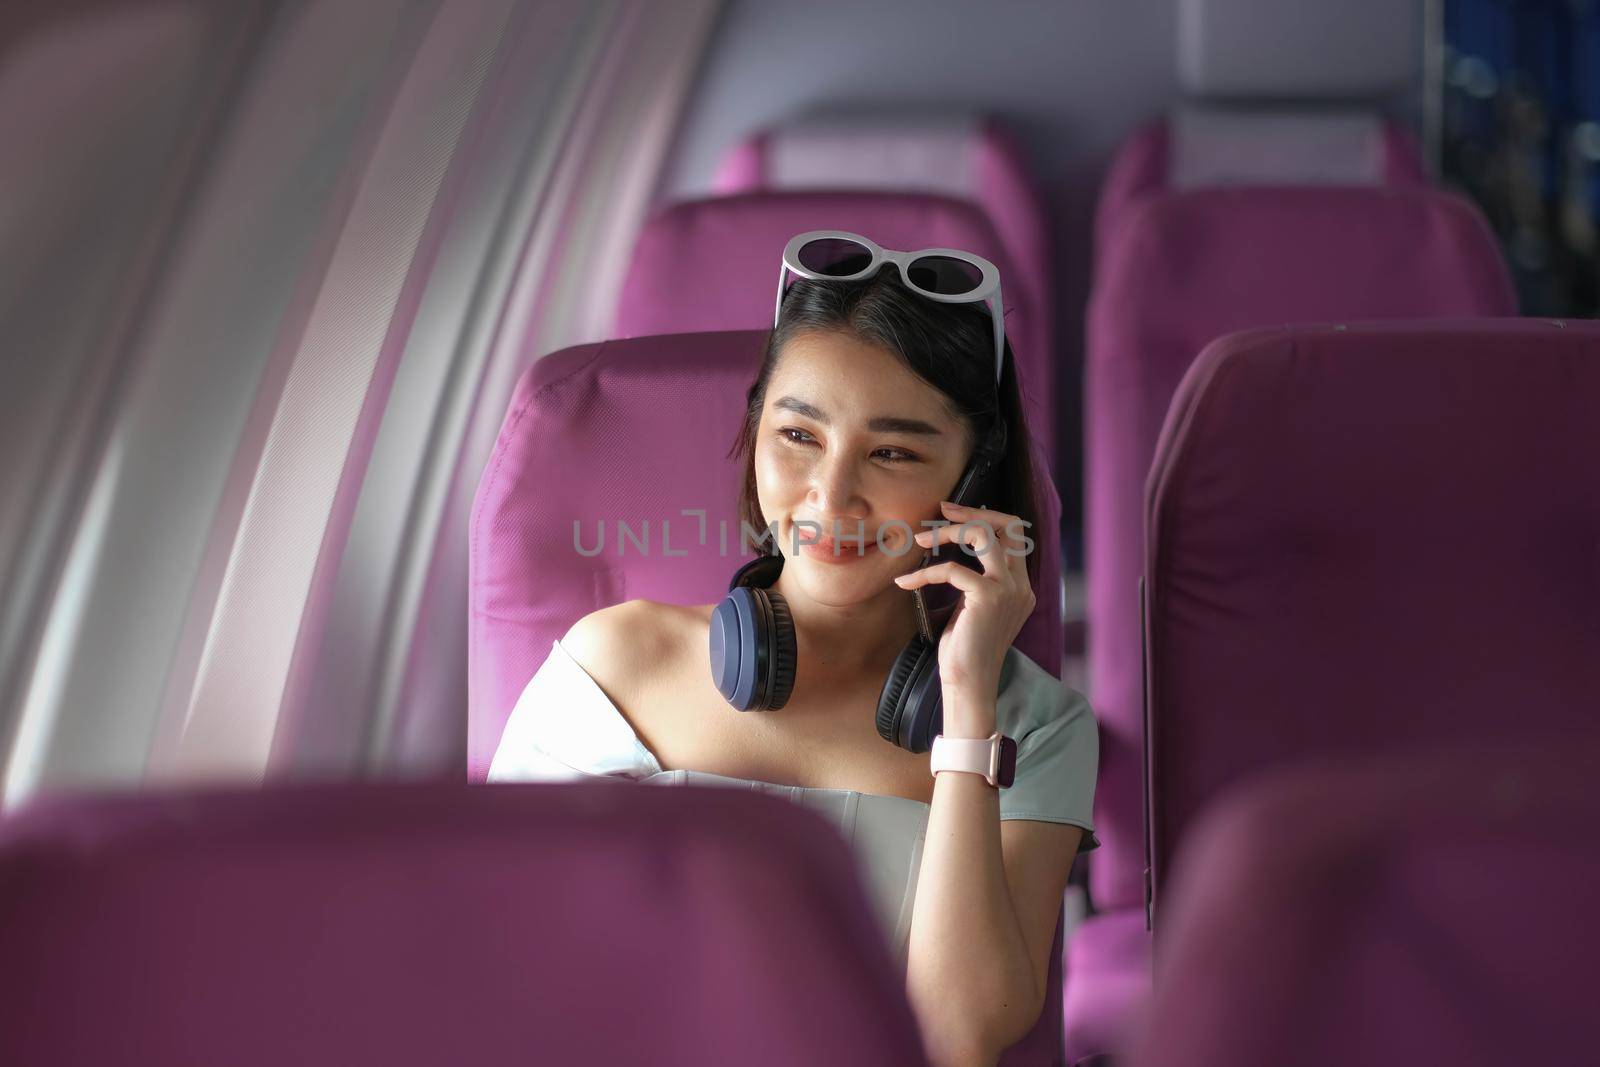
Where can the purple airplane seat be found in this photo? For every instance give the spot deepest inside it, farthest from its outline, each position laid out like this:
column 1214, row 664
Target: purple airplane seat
column 1191, row 267
column 410, row 924
column 973, row 157
column 703, row 265
column 1369, row 536
column 1283, row 93
column 1195, row 149
column 596, row 435
column 1419, row 908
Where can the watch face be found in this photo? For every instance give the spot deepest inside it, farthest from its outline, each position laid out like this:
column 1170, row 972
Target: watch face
column 1008, row 762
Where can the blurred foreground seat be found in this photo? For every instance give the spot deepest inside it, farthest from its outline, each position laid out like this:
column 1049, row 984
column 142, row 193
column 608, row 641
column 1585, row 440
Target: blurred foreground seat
column 1430, row 909
column 430, row 924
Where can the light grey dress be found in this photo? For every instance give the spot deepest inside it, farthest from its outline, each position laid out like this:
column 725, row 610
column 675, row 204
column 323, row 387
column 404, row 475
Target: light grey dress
column 565, row 728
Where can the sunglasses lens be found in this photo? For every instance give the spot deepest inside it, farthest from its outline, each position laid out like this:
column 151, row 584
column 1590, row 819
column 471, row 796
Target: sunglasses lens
column 834, row 257
column 944, row 275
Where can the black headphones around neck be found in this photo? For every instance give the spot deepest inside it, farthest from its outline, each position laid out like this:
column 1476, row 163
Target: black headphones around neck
column 753, row 640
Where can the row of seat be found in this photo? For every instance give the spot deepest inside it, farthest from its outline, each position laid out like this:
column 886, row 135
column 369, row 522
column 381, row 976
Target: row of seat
column 1369, row 545
column 1185, row 268
column 1375, row 542
column 1358, row 539
column 419, row 924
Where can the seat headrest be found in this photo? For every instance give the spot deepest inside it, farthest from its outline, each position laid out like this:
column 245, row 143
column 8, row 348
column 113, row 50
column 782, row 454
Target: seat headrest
column 932, row 153
column 1275, row 255
column 1212, row 146
column 1297, row 49
column 1237, row 150
column 712, row 264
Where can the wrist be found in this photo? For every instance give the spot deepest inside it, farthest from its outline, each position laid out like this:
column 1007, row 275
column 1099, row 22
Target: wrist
column 968, row 720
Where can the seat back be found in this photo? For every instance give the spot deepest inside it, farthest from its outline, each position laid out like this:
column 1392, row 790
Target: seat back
column 703, row 265
column 1191, row 267
column 426, row 924
column 968, row 156
column 1415, row 910
column 1201, row 147
column 1276, row 93
column 1370, row 537
column 596, row 439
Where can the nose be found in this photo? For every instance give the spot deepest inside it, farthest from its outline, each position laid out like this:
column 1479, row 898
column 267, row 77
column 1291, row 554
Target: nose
column 835, row 491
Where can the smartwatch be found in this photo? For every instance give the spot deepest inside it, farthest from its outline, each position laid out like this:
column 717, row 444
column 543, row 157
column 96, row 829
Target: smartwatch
column 994, row 757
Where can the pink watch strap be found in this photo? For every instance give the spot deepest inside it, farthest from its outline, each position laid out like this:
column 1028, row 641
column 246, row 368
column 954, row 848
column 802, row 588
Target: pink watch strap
column 994, row 757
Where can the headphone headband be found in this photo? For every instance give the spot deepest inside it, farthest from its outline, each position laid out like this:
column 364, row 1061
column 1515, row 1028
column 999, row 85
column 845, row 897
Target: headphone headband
column 759, row 573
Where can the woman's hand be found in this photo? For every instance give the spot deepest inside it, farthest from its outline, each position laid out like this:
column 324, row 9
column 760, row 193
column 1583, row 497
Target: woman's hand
column 987, row 617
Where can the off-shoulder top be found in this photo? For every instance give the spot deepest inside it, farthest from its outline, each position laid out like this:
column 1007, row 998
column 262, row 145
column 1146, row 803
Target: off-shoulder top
column 564, row 728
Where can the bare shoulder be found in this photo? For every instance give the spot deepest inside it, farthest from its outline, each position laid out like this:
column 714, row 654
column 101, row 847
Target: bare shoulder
column 631, row 647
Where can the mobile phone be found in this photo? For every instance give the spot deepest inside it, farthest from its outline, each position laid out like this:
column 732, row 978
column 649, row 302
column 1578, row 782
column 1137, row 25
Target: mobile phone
column 936, row 601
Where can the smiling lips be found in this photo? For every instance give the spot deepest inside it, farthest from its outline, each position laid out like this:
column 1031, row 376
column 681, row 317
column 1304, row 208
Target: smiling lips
column 849, row 551
column 832, row 550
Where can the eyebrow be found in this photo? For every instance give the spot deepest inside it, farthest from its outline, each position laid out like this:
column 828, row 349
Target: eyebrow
column 877, row 424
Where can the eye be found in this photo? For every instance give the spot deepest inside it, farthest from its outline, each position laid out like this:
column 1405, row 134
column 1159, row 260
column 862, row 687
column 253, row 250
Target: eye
column 787, row 434
column 795, row 436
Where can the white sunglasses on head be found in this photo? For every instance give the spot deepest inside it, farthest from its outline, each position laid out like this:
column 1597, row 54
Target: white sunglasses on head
column 947, row 275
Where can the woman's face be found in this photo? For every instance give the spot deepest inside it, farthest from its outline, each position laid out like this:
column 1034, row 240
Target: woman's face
column 850, row 436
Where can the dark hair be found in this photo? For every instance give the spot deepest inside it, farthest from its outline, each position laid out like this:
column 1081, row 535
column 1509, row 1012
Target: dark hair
column 949, row 346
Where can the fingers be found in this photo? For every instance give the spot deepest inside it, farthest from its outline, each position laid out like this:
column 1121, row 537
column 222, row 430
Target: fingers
column 991, row 535
column 963, row 578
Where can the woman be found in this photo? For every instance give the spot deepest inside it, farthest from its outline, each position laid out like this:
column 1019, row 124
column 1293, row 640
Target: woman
column 871, row 401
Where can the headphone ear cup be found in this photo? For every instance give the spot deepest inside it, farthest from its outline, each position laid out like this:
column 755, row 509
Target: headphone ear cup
column 752, row 643
column 910, row 709
column 782, row 653
column 894, row 687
